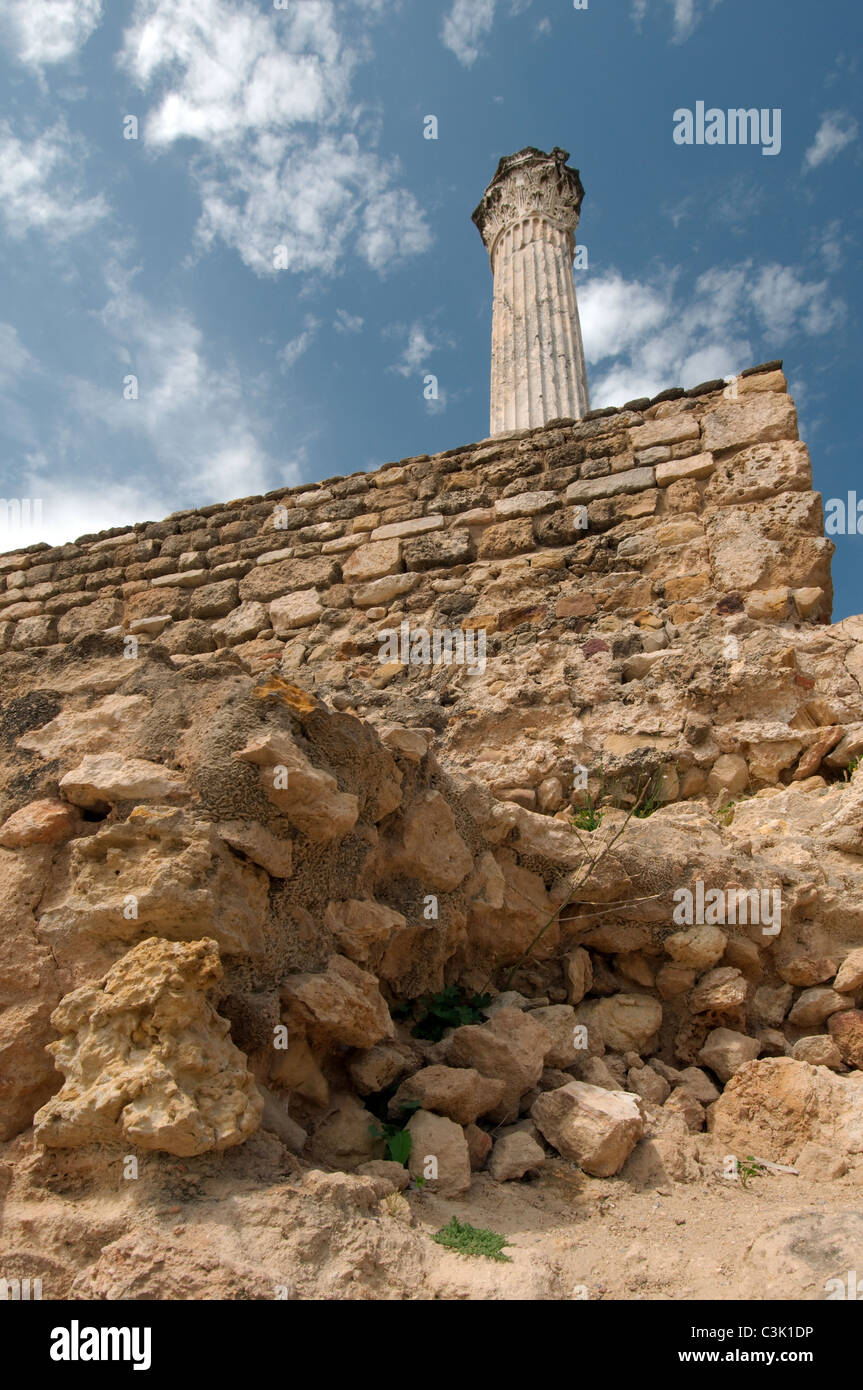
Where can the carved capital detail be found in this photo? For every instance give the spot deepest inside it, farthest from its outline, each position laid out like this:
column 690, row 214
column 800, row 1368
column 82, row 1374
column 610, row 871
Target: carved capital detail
column 529, row 184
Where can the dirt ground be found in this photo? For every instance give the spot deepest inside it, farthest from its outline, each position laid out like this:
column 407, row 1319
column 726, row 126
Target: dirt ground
column 265, row 1226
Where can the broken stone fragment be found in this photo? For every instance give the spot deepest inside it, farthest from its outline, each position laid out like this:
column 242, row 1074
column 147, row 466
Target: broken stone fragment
column 431, row 849
column 147, row 1059
column 342, row 1004
column 439, row 1153
column 597, row 1129
column 513, row 1156
column 511, row 1048
column 460, row 1093
column 725, row 1052
column 307, row 796
column 105, row 778
column 46, row 822
column 260, row 845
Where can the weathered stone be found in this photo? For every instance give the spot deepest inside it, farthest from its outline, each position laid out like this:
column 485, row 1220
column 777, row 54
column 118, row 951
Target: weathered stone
column 513, row 1156
column 460, row 1093
column 434, row 1137
column 266, row 582
column 815, row 1006
column 773, row 1107
column 718, row 991
column 340, row 1005
column 306, row 795
column 819, row 1050
column 214, row 600
column 698, row 947
column 846, row 1030
column 147, row 1059
column 510, row 1047
column 431, row 849
column 589, row 489
column 850, row 974
column 105, row 778
column 756, row 419
column 241, row 625
column 597, row 1129
column 173, row 869
column 725, row 1052
column 299, row 609
column 40, row 823
column 260, row 845
column 373, row 561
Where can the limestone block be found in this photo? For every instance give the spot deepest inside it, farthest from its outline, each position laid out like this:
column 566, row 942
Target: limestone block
column 241, row 625
column 267, row 582
column 413, row 527
column 299, row 609
column 214, row 600
column 753, row 419
column 698, row 466
column 373, row 561
column 589, row 489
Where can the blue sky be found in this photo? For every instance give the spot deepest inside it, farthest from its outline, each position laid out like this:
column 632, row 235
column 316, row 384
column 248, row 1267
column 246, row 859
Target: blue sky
column 303, row 128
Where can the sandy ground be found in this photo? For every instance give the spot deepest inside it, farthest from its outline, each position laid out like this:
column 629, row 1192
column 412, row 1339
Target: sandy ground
column 219, row 1227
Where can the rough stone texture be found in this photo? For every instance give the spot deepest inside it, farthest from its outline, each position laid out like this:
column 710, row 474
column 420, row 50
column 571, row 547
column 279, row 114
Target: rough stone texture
column 435, row 1137
column 459, row 1093
column 773, row 1107
column 511, row 1047
column 147, row 1059
column 597, row 1129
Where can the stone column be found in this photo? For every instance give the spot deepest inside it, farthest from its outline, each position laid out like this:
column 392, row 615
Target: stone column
column 527, row 219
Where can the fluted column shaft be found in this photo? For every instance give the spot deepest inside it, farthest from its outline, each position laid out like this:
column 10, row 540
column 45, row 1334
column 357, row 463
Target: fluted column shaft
column 538, row 371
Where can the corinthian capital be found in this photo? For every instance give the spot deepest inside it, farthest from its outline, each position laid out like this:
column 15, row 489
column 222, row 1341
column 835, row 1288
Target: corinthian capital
column 529, row 184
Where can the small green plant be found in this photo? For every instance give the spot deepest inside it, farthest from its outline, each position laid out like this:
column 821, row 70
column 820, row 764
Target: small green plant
column 472, row 1240
column 849, row 771
column 747, row 1168
column 648, row 801
column 587, row 817
column 396, row 1136
column 449, row 1008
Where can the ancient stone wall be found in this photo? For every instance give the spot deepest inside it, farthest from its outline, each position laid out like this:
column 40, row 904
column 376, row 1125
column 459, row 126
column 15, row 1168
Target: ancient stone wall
column 605, row 568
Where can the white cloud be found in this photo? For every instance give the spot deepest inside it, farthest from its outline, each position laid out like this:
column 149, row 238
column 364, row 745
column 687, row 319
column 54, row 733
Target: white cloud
column 837, row 130
column 641, row 337
column 294, row 350
column 347, row 323
column 782, row 299
column 465, row 27
column 42, row 32
column 40, row 185
column 266, row 98
column 14, row 357
column 686, row 15
column 418, row 347
column 197, row 433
